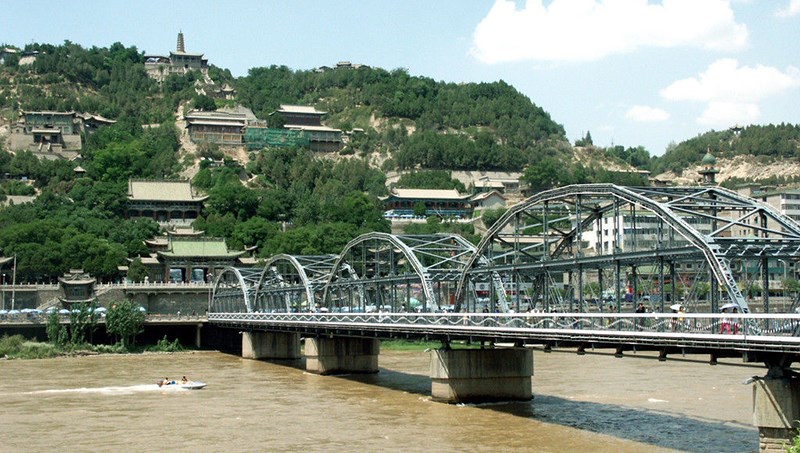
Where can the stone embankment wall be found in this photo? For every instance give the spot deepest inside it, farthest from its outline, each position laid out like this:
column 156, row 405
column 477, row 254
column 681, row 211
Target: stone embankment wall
column 185, row 303
column 28, row 296
column 168, row 300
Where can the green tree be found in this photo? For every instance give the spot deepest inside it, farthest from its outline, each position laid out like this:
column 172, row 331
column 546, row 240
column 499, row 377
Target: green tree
column 430, row 179
column 491, row 216
column 82, row 323
column 56, row 332
column 124, row 320
column 792, row 285
column 547, row 174
column 204, row 102
column 585, row 141
column 137, row 271
column 419, row 208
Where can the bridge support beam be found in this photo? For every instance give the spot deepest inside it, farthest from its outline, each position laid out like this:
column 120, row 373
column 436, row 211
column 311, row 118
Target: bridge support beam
column 776, row 409
column 479, row 375
column 342, row 355
column 197, row 337
column 271, row 345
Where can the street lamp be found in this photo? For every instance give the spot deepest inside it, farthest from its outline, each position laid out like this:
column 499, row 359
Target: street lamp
column 785, row 265
column 783, row 283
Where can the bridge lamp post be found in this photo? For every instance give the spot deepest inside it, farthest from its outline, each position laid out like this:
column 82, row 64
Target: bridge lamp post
column 785, row 266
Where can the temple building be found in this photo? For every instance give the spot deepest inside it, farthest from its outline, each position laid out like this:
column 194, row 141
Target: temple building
column 50, row 135
column 54, row 135
column 91, row 122
column 6, row 53
column 178, row 62
column 185, row 256
column 488, row 200
column 709, row 171
column 309, row 120
column 224, row 127
column 77, row 287
column 443, row 203
column 165, row 201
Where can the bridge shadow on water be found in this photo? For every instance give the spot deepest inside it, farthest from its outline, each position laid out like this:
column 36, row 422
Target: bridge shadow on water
column 662, row 429
column 658, row 428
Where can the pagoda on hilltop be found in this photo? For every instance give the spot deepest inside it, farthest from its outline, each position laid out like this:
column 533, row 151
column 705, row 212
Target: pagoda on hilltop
column 178, row 62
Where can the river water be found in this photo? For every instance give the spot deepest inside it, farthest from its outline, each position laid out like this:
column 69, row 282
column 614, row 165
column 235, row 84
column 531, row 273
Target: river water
column 591, row 403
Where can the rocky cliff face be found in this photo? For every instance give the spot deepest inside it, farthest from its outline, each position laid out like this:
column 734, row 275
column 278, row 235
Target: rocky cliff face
column 741, row 167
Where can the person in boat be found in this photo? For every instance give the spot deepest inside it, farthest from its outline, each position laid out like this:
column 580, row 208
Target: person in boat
column 164, row 381
column 184, row 380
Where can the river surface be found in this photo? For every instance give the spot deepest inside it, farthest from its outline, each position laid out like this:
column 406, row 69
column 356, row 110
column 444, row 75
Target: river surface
column 590, row 403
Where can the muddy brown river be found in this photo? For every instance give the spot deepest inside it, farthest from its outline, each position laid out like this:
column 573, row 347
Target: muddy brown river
column 590, row 403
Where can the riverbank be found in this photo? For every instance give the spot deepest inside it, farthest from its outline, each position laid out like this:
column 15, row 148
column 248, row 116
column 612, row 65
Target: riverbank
column 18, row 347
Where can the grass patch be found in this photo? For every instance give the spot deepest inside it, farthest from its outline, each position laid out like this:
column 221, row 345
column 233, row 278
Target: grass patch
column 421, row 345
column 17, row 347
column 164, row 345
column 409, row 345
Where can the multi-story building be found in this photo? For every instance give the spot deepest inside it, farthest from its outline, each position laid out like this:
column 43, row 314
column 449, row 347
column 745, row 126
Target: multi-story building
column 166, row 202
column 47, row 134
column 785, row 201
column 309, row 120
column 221, row 128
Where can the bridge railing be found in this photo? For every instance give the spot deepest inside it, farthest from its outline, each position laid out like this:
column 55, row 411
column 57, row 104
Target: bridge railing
column 781, row 325
column 42, row 318
column 7, row 286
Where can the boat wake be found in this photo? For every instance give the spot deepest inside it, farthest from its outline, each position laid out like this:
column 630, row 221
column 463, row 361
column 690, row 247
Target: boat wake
column 126, row 390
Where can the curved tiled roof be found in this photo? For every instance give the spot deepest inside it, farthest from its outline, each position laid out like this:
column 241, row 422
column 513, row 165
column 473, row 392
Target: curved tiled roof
column 163, row 190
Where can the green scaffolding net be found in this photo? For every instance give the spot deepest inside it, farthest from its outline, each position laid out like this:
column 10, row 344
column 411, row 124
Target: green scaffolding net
column 261, row 137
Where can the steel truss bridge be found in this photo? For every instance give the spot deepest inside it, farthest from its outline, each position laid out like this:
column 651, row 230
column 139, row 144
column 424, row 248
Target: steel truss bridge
column 565, row 263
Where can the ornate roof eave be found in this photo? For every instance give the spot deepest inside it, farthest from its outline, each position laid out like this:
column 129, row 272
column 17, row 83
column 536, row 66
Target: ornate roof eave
column 166, row 254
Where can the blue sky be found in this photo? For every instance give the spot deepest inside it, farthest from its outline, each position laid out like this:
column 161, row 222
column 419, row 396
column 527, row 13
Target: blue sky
column 632, row 72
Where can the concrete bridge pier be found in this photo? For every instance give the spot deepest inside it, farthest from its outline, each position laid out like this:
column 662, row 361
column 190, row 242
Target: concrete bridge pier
column 480, row 375
column 271, row 345
column 342, row 355
column 776, row 409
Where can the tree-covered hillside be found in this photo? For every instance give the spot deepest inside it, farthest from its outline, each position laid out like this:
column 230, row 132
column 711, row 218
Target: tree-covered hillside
column 283, row 200
column 420, row 122
column 772, row 142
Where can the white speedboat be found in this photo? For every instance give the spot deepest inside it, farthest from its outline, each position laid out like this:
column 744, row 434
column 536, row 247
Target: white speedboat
column 188, row 385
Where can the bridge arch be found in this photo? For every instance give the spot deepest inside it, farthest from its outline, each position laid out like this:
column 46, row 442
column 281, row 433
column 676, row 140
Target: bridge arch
column 382, row 271
column 557, row 235
column 234, row 290
column 292, row 282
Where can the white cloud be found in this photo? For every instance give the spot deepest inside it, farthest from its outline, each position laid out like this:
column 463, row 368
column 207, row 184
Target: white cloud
column 725, row 114
column 732, row 92
column 791, row 10
column 587, row 30
column 646, row 114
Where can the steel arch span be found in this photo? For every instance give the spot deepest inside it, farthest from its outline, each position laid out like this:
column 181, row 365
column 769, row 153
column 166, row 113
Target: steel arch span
column 568, row 247
column 234, row 290
column 387, row 272
column 292, row 283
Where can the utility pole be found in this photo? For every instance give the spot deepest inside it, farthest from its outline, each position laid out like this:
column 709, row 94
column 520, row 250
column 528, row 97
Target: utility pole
column 14, row 282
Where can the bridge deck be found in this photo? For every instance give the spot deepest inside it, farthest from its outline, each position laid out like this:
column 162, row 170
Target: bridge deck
column 695, row 332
